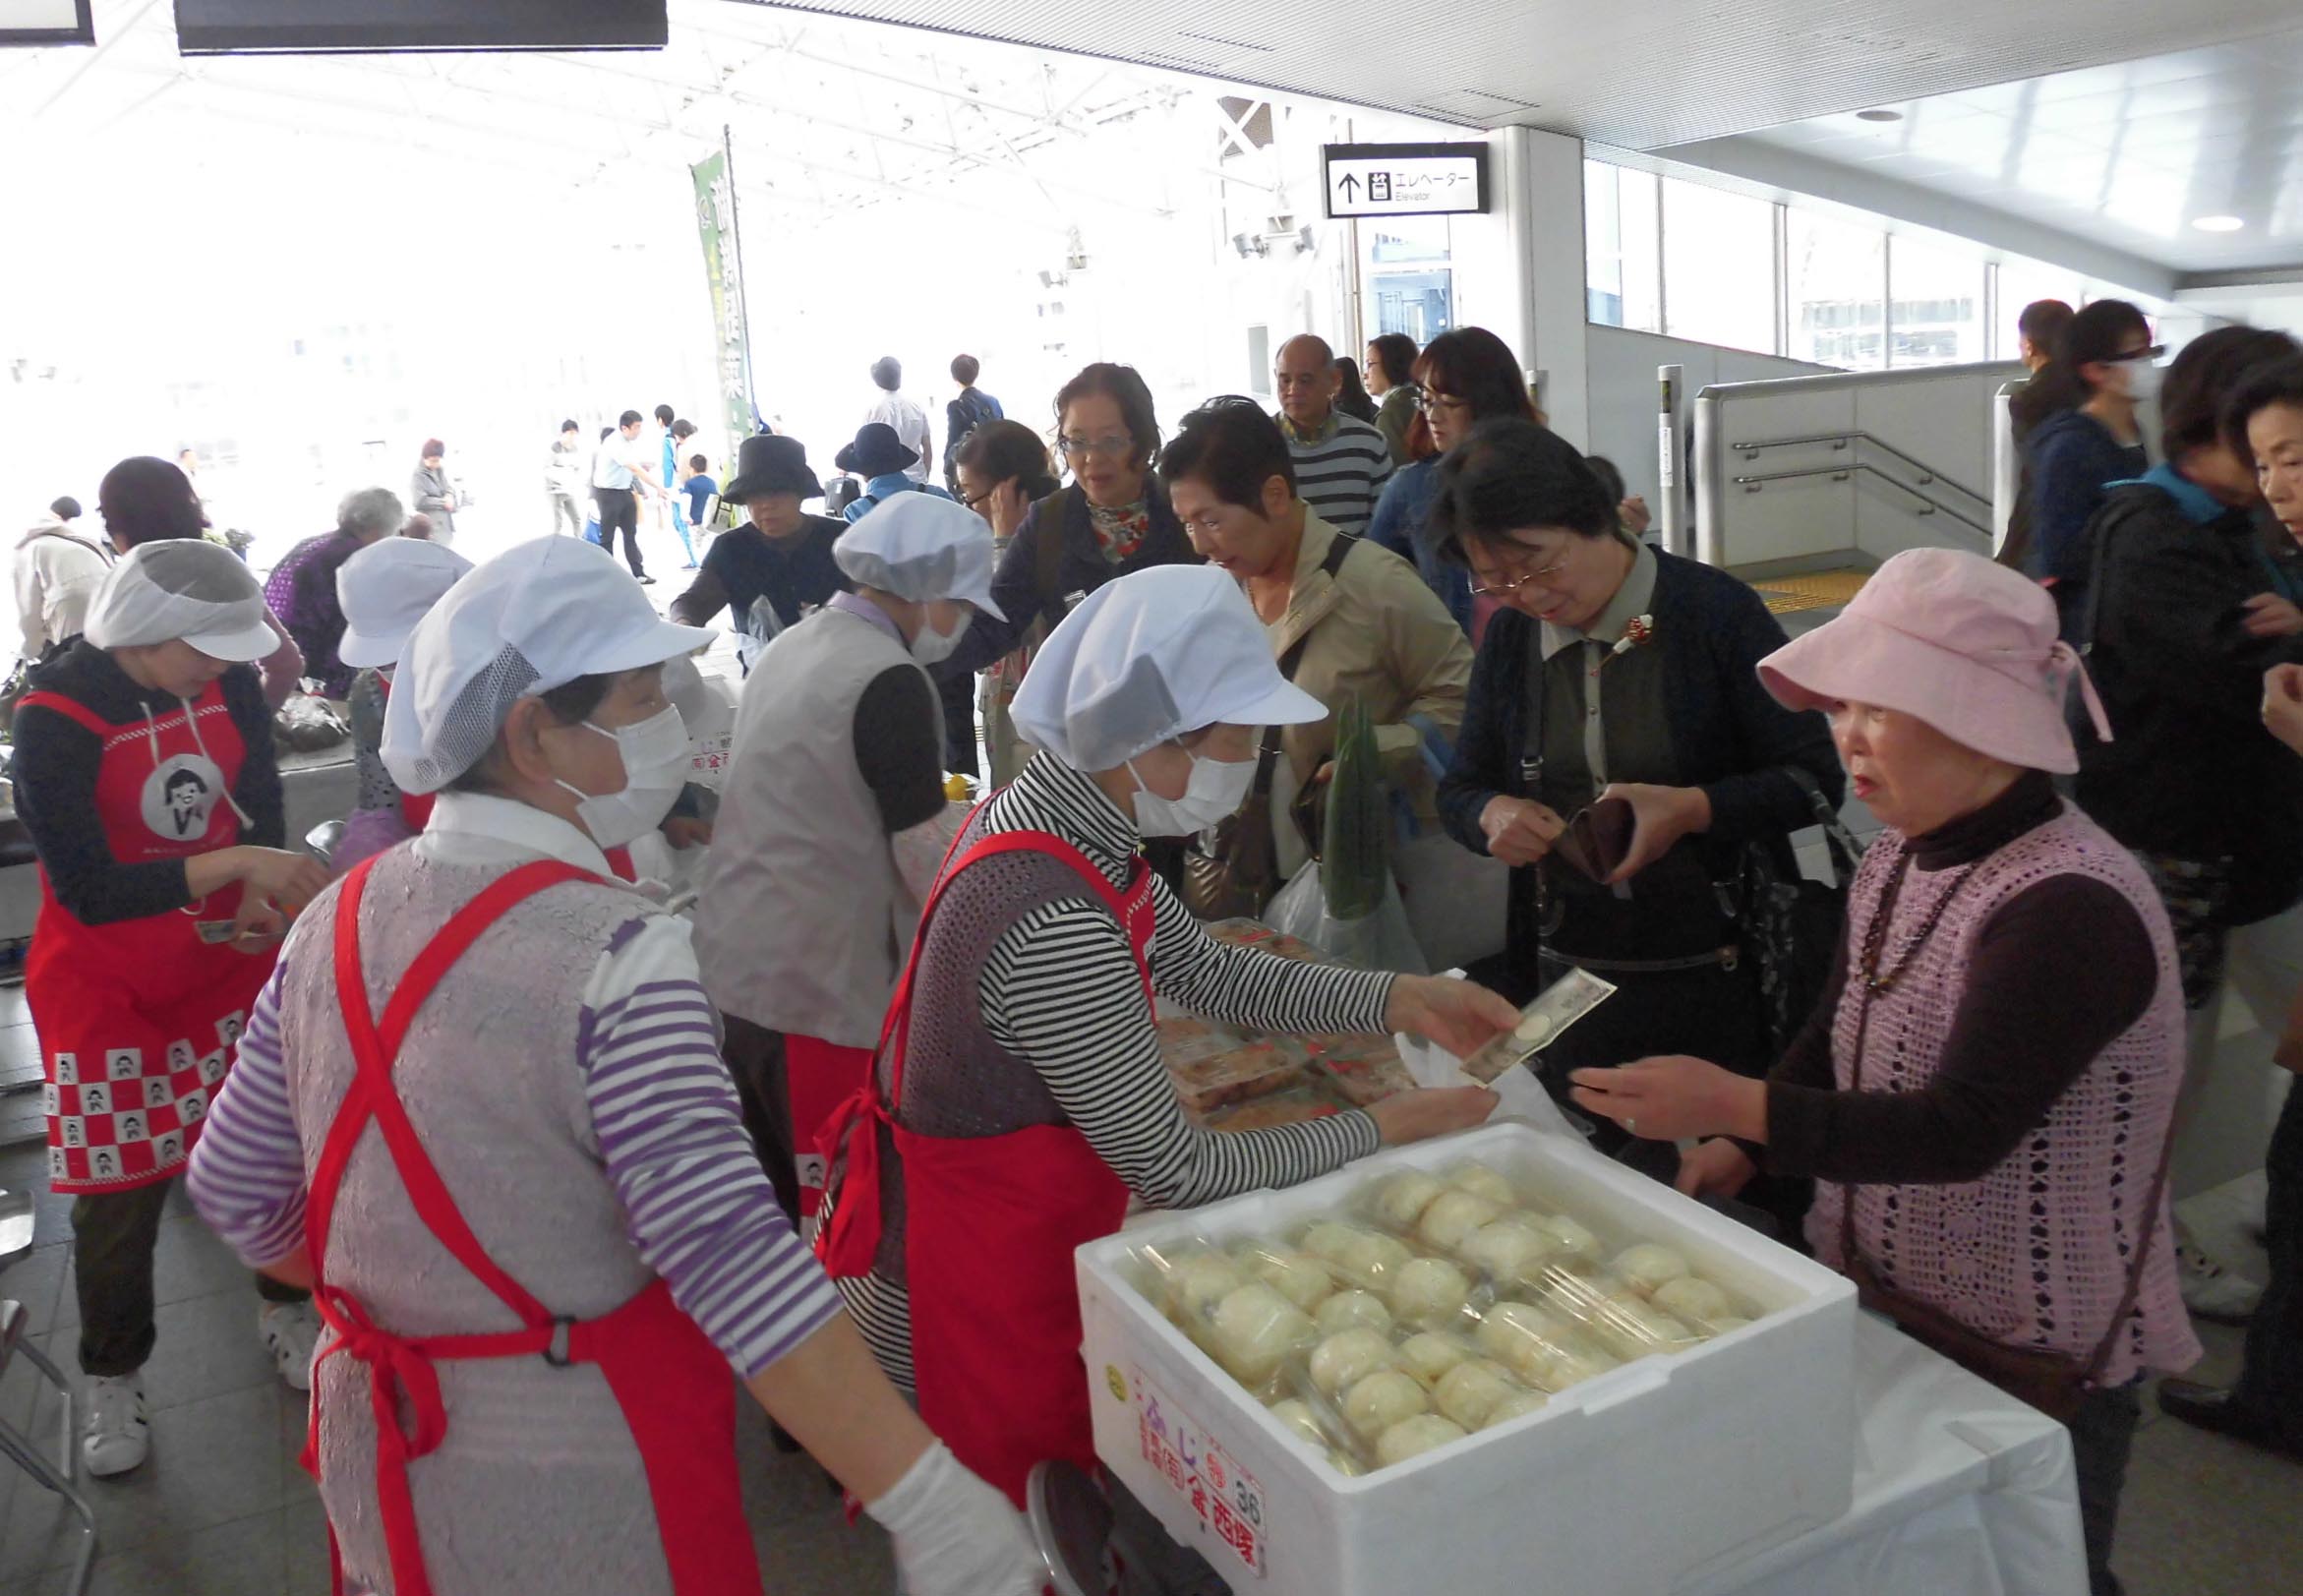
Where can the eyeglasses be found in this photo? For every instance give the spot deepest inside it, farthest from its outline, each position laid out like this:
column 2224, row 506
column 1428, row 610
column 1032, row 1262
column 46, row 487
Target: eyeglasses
column 2158, row 351
column 1540, row 577
column 1109, row 449
column 1428, row 402
column 980, row 500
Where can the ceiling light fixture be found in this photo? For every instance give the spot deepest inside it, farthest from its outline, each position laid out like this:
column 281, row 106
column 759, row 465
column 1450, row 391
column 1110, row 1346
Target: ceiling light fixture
column 1879, row 116
column 2218, row 225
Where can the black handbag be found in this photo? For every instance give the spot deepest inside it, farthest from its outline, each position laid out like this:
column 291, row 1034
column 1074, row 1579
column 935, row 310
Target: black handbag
column 1788, row 926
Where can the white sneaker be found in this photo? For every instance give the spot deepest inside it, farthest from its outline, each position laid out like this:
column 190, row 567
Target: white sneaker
column 291, row 1333
column 2211, row 1291
column 115, row 1437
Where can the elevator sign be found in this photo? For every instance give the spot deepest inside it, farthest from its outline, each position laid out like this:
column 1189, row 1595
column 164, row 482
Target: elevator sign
column 1407, row 180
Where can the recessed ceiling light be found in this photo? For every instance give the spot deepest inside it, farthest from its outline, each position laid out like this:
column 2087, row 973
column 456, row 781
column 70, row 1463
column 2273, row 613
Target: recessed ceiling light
column 2218, row 225
column 1879, row 116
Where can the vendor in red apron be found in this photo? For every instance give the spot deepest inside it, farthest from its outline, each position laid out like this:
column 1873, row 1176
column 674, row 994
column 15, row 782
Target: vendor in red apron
column 483, row 1111
column 1019, row 1099
column 383, row 590
column 144, row 774
column 833, row 822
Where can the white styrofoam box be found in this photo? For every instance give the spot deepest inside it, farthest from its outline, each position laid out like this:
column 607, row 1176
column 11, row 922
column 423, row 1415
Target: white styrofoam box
column 1659, row 1476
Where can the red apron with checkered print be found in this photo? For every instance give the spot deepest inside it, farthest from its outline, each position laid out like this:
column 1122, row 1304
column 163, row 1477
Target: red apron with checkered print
column 138, row 1019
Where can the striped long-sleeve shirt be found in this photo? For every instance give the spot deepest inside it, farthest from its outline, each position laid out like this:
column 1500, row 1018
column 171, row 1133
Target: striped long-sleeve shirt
column 1340, row 469
column 1059, row 989
column 664, row 1112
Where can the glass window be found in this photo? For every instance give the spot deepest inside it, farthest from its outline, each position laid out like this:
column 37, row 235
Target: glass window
column 2021, row 281
column 1410, row 284
column 1937, row 318
column 1718, row 267
column 1835, row 277
column 1622, row 254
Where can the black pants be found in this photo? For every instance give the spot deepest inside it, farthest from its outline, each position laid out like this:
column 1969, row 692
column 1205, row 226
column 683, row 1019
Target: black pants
column 754, row 1056
column 957, row 688
column 2102, row 1434
column 620, row 507
column 113, row 1236
column 2271, row 1381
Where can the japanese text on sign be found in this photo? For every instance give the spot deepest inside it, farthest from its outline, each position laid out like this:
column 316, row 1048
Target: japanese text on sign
column 1406, row 180
column 1223, row 1497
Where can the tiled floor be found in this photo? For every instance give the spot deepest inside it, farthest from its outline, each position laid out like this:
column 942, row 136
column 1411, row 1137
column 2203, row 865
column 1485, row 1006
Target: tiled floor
column 221, row 1509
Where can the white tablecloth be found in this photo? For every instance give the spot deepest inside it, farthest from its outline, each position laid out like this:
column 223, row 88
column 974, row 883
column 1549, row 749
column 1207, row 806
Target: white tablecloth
column 1959, row 1488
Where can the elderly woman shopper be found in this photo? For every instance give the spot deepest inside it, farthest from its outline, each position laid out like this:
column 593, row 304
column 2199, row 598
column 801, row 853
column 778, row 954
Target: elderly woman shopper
column 1986, row 1094
column 1617, row 672
column 1467, row 376
column 145, row 499
column 775, row 567
column 58, row 566
column 144, row 774
column 1019, row 1101
column 832, row 824
column 1001, row 470
column 302, row 587
column 384, row 591
column 555, row 1243
column 1346, row 620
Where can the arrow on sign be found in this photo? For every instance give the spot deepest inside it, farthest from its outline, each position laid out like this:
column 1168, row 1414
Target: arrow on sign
column 1349, row 185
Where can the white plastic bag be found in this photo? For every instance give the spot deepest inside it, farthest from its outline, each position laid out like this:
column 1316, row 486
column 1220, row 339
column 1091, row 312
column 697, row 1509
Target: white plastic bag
column 1522, row 1096
column 1377, row 941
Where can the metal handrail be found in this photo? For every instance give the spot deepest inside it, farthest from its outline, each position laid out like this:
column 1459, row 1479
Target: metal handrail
column 1928, row 473
column 1840, row 473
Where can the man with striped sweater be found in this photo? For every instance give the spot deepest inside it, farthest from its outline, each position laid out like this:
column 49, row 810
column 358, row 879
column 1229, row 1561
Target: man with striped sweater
column 1341, row 463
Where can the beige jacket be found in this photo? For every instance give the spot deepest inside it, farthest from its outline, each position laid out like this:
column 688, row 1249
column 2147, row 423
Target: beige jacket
column 1373, row 630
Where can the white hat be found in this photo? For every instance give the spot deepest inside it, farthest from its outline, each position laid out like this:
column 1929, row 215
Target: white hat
column 1148, row 657
column 920, row 547
column 535, row 617
column 387, row 587
column 182, row 588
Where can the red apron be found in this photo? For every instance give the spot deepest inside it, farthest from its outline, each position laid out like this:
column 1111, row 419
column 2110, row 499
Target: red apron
column 672, row 1384
column 138, row 1019
column 820, row 1077
column 990, row 1226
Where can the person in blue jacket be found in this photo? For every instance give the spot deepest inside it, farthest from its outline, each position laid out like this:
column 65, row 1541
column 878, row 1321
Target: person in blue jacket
column 2104, row 367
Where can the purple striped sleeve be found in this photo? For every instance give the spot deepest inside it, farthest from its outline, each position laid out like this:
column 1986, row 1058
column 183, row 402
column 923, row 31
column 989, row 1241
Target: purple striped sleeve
column 703, row 1215
column 247, row 1175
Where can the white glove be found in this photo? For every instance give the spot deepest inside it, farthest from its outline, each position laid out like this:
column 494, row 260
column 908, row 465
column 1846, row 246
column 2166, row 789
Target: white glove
column 955, row 1535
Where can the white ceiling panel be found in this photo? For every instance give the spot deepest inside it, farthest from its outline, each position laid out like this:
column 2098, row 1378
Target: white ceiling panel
column 1637, row 75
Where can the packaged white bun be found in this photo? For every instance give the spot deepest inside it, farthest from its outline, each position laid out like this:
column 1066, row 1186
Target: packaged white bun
column 1297, row 1416
column 1349, row 1357
column 1635, row 1329
column 1512, row 1406
column 1454, row 1215
column 1298, row 1276
column 1430, row 1354
column 1538, row 1347
column 1695, row 1300
column 1428, row 1291
column 1649, row 1265
column 1382, row 1400
column 1329, row 1238
column 1572, row 1236
column 1400, row 1199
column 1509, row 1250
column 1353, row 1310
column 1254, row 1329
column 1368, row 1257
column 1468, row 1392
column 1198, row 1281
column 1481, row 1181
column 1411, row 1438
column 1343, row 1464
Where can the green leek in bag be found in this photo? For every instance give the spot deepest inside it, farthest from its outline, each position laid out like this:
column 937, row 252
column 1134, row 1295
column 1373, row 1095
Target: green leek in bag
column 1353, row 865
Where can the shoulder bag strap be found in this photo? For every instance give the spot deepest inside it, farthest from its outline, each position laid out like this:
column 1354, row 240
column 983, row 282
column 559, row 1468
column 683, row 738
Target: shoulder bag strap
column 1050, row 522
column 1268, row 755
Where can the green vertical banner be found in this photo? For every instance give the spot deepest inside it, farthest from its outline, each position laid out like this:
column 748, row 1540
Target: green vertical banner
column 715, row 214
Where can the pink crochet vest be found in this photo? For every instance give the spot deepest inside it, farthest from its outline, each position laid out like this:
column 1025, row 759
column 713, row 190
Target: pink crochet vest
column 2036, row 1254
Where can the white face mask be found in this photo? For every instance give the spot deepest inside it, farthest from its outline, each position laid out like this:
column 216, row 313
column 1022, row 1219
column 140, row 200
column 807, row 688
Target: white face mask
column 1215, row 793
column 2143, row 379
column 656, row 758
column 932, row 645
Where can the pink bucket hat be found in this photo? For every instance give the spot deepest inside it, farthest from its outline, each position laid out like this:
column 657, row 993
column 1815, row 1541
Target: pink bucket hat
column 1964, row 644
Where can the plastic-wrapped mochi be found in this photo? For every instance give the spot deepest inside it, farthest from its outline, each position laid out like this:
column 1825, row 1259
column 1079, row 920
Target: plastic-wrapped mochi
column 1650, row 1265
column 1428, row 1291
column 1571, row 1235
column 1430, row 1354
column 1370, row 1257
column 1694, row 1299
column 1411, row 1437
column 1384, row 1400
column 1481, row 1181
column 1401, row 1198
column 1293, row 1413
column 1454, row 1215
column 1353, row 1310
column 1468, row 1392
column 1349, row 1357
column 1255, row 1328
column 1508, row 1249
column 1199, row 1282
column 1298, row 1276
column 1512, row 1406
column 1330, row 1239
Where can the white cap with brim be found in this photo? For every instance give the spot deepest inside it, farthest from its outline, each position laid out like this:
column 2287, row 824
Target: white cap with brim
column 387, row 587
column 536, row 617
column 920, row 547
column 1147, row 658
column 182, row 589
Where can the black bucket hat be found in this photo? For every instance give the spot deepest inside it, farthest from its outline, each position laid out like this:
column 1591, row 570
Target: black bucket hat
column 876, row 451
column 771, row 463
